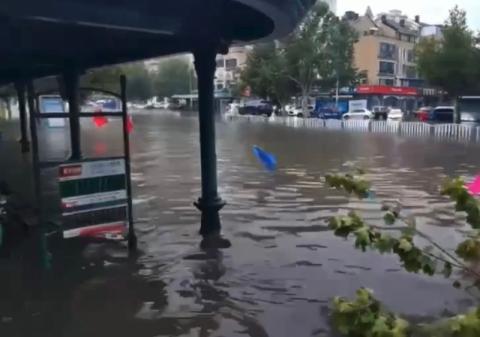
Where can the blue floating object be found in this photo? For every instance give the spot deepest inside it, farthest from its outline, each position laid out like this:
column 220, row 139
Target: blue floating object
column 268, row 160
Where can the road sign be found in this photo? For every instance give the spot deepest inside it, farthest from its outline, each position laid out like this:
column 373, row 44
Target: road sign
column 94, row 198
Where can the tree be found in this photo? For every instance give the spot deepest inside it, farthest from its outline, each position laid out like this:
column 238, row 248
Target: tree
column 365, row 315
column 175, row 76
column 106, row 78
column 452, row 64
column 320, row 52
column 139, row 82
column 265, row 75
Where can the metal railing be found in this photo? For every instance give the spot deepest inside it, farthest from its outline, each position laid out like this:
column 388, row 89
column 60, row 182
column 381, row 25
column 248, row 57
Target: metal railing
column 457, row 132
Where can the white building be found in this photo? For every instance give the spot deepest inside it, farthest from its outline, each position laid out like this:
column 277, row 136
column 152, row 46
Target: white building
column 229, row 67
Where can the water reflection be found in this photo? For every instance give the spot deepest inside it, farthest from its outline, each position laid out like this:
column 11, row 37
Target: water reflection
column 285, row 266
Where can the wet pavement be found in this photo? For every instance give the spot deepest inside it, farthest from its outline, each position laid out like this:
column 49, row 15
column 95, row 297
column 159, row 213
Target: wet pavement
column 284, row 267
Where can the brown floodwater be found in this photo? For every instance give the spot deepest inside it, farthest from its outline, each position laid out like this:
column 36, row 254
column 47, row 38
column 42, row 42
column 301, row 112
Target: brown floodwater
column 284, row 267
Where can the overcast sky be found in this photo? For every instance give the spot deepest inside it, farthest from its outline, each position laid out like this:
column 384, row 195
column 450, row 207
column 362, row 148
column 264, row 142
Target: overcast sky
column 431, row 11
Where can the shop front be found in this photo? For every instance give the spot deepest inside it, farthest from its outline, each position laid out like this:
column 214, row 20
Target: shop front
column 405, row 98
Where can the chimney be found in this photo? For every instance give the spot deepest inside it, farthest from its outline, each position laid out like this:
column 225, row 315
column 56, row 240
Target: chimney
column 384, row 18
column 417, row 18
column 402, row 22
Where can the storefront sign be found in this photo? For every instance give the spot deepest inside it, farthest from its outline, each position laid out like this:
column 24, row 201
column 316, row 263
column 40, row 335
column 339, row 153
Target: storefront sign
column 358, row 104
column 386, row 90
column 94, row 199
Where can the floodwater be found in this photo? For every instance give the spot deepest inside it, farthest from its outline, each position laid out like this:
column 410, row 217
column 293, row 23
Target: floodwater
column 284, row 267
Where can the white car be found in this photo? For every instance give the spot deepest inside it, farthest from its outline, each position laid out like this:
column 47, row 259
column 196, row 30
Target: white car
column 358, row 114
column 298, row 111
column 395, row 115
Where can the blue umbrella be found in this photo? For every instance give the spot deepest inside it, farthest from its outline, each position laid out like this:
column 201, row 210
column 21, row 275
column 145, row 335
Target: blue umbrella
column 268, row 160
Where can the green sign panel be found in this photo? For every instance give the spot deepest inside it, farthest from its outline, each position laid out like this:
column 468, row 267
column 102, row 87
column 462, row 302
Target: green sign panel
column 94, row 199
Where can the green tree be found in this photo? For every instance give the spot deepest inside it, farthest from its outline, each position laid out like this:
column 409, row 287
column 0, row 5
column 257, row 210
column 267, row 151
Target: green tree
column 175, row 76
column 320, row 52
column 107, row 78
column 139, row 82
column 265, row 75
column 453, row 63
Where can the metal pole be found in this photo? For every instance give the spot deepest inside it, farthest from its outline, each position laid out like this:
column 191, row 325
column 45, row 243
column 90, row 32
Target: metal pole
column 37, row 182
column 209, row 203
column 22, row 109
column 132, row 238
column 337, row 89
column 71, row 80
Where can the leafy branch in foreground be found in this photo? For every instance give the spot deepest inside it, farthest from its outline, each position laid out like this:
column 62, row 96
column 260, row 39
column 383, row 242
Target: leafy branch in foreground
column 365, row 317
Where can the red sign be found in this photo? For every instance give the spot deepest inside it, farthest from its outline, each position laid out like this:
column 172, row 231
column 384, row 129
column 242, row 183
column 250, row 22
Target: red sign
column 70, row 171
column 386, row 90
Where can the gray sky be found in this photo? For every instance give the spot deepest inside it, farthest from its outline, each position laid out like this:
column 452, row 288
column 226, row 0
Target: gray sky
column 431, row 11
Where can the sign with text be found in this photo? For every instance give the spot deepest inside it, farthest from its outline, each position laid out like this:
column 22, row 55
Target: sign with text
column 386, row 90
column 359, row 104
column 94, row 199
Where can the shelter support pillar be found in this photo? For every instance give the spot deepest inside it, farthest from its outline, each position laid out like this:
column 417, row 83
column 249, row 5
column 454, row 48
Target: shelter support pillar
column 72, row 92
column 210, row 202
column 22, row 109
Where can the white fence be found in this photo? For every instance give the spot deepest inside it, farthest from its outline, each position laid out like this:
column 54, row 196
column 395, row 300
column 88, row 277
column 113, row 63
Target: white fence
column 458, row 132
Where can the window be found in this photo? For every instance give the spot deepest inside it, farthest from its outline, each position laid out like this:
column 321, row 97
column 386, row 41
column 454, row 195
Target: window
column 220, row 63
column 231, row 63
column 387, row 68
column 387, row 51
column 411, row 72
column 386, row 81
column 411, row 56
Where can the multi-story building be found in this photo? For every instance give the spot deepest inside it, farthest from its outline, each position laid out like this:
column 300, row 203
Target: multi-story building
column 229, row 67
column 386, row 48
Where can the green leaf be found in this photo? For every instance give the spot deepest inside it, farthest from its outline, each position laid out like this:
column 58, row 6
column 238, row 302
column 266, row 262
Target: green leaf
column 380, row 327
column 405, row 245
column 469, row 250
column 363, row 238
column 389, row 218
column 385, row 243
column 447, row 269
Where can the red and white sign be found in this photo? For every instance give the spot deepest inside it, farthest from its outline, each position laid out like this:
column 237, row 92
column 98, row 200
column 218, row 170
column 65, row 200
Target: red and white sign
column 386, row 90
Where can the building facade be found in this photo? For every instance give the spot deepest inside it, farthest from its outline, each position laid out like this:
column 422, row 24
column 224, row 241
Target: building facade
column 229, row 67
column 386, row 48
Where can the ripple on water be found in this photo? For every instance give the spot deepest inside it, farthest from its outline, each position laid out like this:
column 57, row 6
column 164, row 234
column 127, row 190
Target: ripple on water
column 285, row 265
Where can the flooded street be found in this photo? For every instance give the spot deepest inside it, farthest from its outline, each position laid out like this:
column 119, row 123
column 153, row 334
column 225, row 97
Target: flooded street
column 284, row 267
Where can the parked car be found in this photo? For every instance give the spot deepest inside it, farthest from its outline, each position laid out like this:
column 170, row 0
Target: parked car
column 358, row 114
column 327, row 113
column 256, row 107
column 162, row 105
column 380, row 112
column 395, row 115
column 423, row 114
column 298, row 111
column 443, row 114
